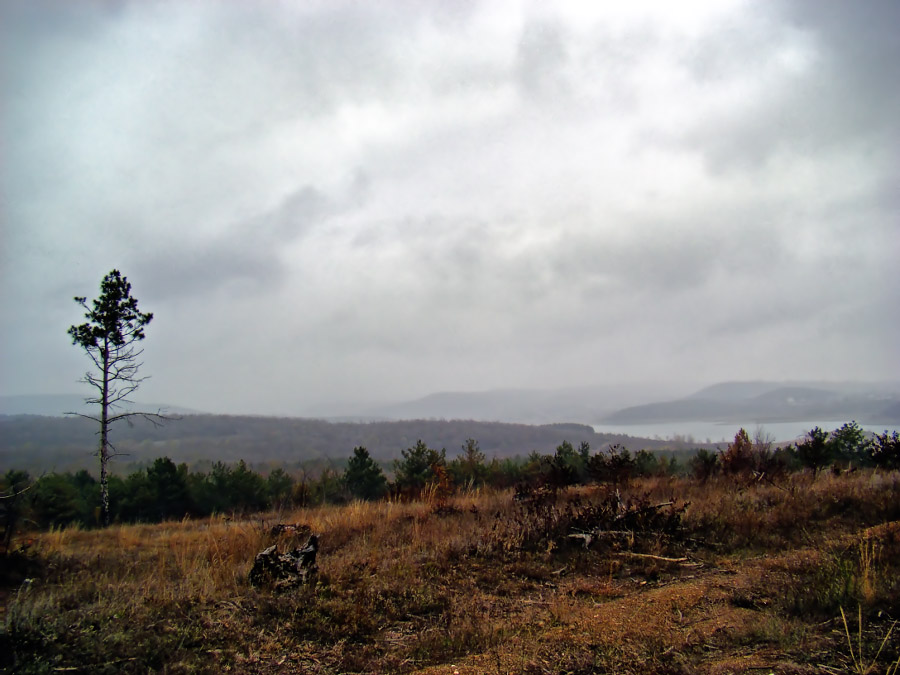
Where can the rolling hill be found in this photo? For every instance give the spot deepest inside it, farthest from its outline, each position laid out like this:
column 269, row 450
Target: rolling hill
column 772, row 402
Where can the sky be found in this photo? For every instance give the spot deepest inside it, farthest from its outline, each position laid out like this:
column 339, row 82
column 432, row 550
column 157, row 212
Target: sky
column 332, row 202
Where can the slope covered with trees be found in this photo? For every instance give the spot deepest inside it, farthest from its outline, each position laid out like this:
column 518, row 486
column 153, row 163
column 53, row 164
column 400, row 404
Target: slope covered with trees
column 53, row 443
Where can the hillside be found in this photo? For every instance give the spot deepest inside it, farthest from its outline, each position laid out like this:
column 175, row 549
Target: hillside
column 772, row 402
column 526, row 406
column 679, row 577
column 41, row 443
column 56, row 405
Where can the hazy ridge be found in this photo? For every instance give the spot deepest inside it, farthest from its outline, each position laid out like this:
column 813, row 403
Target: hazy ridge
column 39, row 443
column 35, row 435
column 763, row 401
column 772, row 402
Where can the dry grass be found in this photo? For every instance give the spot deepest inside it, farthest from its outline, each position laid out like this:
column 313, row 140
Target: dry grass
column 750, row 576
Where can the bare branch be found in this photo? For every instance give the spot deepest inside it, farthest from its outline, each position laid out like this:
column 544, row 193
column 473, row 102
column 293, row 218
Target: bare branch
column 155, row 419
column 21, row 492
column 115, row 452
column 87, row 417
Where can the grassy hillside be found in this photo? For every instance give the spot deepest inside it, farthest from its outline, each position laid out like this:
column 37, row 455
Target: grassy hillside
column 729, row 576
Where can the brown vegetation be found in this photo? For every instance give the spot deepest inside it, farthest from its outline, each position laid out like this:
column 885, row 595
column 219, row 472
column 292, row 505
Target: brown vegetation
column 731, row 575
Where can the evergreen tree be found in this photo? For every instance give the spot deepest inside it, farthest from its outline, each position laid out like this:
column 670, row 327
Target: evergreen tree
column 704, row 464
column 137, row 503
column 884, row 452
column 14, row 488
column 228, row 488
column 247, row 489
column 814, row 452
column 567, row 466
column 850, row 443
column 169, row 488
column 469, row 468
column 363, row 478
column 55, row 501
column 645, row 463
column 109, row 337
column 280, row 485
column 413, row 471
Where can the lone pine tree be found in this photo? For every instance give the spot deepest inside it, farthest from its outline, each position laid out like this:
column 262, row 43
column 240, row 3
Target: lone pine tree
column 109, row 337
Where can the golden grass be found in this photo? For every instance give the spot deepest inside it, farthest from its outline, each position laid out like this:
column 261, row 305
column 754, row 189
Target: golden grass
column 478, row 583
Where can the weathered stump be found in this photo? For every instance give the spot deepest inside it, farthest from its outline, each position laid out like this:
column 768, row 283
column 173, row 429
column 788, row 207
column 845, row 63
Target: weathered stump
column 281, row 571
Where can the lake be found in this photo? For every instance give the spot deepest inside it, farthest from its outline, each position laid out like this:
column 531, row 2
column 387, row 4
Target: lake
column 723, row 432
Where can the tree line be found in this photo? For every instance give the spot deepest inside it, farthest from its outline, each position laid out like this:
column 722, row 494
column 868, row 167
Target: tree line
column 847, row 448
column 165, row 491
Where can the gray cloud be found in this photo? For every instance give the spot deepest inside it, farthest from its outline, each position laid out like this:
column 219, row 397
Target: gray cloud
column 541, row 59
column 336, row 201
column 232, row 265
column 825, row 82
column 297, row 214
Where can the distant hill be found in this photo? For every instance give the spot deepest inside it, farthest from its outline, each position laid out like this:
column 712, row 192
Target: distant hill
column 523, row 406
column 526, row 406
column 57, row 405
column 772, row 402
column 42, row 404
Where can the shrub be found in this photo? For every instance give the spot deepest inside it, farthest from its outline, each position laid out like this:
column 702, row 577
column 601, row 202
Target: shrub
column 615, row 465
column 884, row 451
column 704, row 465
column 737, row 458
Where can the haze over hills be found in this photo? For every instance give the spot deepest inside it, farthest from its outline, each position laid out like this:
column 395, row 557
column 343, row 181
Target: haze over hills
column 584, row 405
column 762, row 401
column 737, row 402
column 772, row 402
column 34, row 434
column 37, row 443
column 55, row 405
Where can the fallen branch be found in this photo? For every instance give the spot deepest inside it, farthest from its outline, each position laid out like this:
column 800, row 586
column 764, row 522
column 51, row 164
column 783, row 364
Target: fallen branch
column 647, row 556
column 67, row 669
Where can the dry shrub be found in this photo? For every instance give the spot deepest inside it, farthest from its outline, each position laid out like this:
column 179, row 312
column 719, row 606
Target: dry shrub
column 772, row 516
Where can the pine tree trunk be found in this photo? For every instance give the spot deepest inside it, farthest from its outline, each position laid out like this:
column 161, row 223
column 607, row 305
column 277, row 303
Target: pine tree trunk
column 104, row 442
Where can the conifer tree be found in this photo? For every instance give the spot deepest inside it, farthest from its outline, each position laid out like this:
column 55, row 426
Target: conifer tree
column 363, row 478
column 109, row 337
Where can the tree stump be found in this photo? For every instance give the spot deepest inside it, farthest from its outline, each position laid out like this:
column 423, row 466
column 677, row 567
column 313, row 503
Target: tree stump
column 281, row 571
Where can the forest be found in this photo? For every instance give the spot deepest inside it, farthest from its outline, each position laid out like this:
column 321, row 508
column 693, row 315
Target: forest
column 39, row 443
column 164, row 490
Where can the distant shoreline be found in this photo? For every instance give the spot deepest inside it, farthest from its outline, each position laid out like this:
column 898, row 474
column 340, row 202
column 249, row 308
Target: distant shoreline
column 717, row 432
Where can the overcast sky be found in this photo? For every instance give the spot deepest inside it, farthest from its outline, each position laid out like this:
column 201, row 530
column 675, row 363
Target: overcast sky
column 342, row 201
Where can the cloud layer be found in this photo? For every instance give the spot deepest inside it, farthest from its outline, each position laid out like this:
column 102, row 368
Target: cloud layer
column 330, row 201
